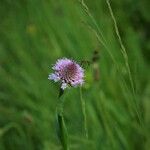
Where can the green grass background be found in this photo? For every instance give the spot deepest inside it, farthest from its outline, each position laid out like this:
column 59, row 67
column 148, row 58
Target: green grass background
column 34, row 34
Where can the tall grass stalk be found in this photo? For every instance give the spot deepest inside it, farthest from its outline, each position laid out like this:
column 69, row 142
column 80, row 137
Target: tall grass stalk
column 100, row 37
column 123, row 49
column 92, row 18
column 84, row 113
column 125, row 56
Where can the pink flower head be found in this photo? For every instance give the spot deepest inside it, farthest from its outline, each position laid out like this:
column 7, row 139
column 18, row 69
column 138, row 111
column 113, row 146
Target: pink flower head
column 68, row 72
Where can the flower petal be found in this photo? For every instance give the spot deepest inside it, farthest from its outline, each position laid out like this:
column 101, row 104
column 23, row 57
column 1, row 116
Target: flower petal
column 64, row 85
column 53, row 77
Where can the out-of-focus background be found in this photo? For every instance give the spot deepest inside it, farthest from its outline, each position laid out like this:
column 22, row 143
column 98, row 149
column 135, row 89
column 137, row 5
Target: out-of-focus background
column 34, row 34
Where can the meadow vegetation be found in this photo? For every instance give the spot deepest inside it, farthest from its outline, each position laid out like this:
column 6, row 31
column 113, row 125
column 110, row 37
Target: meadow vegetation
column 35, row 33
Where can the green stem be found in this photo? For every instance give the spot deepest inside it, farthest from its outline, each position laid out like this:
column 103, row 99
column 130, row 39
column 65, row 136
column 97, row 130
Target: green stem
column 62, row 130
column 84, row 113
column 124, row 53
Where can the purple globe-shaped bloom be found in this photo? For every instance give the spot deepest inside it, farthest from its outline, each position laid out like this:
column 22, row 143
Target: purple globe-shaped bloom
column 68, row 72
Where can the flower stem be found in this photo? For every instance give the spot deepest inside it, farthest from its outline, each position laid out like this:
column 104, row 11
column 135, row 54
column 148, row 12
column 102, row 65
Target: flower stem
column 84, row 113
column 62, row 130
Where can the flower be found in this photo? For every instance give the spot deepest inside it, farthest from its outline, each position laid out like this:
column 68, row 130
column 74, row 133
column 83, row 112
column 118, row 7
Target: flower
column 68, row 72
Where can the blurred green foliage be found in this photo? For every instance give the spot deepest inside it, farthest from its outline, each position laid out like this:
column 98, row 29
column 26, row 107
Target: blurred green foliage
column 33, row 35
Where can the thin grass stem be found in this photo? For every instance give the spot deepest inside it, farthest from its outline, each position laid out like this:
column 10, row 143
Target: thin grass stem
column 103, row 41
column 125, row 56
column 92, row 18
